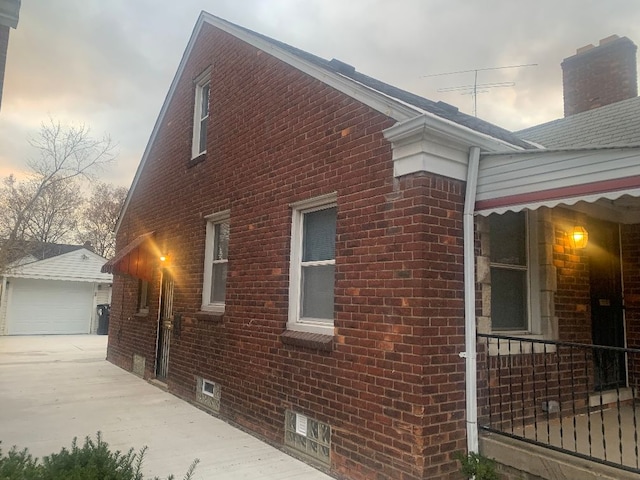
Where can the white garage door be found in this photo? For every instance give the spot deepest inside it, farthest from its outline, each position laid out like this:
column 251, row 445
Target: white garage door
column 49, row 307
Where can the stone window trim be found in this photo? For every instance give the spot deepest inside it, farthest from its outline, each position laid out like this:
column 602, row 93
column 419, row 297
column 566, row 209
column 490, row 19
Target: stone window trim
column 213, row 220
column 296, row 322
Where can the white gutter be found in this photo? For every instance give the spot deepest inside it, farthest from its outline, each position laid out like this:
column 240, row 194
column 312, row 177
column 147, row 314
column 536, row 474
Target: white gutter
column 470, row 301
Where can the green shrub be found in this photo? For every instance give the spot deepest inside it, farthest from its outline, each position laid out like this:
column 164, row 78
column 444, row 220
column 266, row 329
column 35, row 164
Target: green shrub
column 92, row 461
column 18, row 465
column 477, row 466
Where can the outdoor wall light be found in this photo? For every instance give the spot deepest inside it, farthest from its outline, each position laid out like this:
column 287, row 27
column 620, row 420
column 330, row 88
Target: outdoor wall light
column 164, row 257
column 578, row 237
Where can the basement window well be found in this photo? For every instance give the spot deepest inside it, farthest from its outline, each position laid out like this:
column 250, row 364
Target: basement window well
column 208, row 394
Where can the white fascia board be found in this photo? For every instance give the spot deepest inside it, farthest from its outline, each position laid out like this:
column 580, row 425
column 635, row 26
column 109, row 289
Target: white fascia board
column 10, row 13
column 372, row 98
column 59, row 278
column 428, row 143
column 384, row 104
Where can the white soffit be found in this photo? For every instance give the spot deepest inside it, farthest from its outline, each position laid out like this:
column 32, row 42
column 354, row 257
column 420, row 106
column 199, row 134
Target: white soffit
column 428, row 143
column 529, row 180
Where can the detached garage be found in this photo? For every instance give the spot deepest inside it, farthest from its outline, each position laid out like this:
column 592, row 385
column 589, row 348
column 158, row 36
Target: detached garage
column 54, row 291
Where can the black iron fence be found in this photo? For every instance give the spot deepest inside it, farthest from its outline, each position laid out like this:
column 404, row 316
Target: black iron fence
column 575, row 398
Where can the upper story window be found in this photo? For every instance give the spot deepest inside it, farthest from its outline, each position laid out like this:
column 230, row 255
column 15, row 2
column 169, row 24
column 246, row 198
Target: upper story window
column 312, row 270
column 201, row 114
column 509, row 260
column 216, row 263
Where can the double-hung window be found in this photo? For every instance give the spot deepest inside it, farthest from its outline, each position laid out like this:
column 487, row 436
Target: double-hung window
column 201, row 114
column 312, row 271
column 509, row 272
column 216, row 263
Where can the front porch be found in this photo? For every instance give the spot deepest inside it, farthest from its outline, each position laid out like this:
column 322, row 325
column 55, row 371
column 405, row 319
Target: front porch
column 549, row 394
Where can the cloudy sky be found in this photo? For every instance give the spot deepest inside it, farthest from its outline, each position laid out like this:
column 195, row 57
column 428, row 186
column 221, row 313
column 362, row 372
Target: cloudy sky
column 109, row 63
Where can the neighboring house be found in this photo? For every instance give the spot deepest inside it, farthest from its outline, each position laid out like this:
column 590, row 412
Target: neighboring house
column 298, row 248
column 9, row 14
column 55, row 289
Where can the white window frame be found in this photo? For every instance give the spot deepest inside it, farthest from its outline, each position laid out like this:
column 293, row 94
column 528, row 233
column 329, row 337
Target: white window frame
column 203, row 80
column 212, row 221
column 206, row 385
column 532, row 268
column 296, row 321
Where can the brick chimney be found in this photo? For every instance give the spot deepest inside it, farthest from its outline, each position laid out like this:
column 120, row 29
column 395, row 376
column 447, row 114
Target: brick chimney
column 598, row 76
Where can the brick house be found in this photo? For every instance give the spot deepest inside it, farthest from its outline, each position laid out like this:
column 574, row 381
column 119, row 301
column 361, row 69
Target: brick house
column 292, row 255
column 9, row 14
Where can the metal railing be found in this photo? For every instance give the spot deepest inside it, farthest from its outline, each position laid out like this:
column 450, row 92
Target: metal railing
column 574, row 398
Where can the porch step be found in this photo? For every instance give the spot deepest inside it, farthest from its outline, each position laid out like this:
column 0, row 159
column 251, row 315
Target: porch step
column 610, row 397
column 159, row 383
column 546, row 464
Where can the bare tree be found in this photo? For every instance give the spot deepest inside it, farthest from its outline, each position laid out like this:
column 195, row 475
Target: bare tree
column 63, row 153
column 98, row 219
column 54, row 216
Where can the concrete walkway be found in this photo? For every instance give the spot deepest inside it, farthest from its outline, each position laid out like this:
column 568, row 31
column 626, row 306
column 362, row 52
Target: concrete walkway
column 55, row 388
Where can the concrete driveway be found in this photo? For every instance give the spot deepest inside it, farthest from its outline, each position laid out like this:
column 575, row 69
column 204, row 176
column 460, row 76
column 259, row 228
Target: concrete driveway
column 55, row 388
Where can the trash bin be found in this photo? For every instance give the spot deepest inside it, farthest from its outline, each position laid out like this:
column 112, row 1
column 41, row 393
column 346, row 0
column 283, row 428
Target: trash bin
column 103, row 318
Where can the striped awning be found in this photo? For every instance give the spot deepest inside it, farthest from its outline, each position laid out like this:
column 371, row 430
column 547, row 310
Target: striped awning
column 608, row 178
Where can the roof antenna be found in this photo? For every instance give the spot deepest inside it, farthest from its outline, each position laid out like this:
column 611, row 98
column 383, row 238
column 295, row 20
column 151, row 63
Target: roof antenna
column 473, row 89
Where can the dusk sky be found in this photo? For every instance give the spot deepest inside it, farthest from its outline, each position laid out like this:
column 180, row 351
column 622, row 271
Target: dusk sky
column 109, row 63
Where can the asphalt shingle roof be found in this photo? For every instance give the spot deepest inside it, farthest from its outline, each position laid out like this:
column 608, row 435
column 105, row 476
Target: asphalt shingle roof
column 617, row 124
column 440, row 109
column 39, row 250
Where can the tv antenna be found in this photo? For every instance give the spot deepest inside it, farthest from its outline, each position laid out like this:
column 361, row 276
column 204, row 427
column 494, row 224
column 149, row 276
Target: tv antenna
column 484, row 87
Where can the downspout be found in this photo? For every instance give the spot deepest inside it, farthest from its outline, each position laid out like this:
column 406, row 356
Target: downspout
column 470, row 301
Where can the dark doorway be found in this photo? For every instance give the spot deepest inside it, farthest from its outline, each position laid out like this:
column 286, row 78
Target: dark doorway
column 607, row 319
column 164, row 326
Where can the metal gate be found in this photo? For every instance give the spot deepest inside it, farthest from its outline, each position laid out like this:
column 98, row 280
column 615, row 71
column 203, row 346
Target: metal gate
column 164, row 325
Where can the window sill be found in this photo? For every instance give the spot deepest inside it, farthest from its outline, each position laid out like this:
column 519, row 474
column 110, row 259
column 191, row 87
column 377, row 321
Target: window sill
column 313, row 341
column 141, row 314
column 215, row 317
column 196, row 160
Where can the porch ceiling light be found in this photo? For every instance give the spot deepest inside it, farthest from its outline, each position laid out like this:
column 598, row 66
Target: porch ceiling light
column 578, row 237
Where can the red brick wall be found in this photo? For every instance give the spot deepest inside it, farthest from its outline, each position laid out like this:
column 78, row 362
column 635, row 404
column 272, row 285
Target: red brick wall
column 392, row 389
column 573, row 298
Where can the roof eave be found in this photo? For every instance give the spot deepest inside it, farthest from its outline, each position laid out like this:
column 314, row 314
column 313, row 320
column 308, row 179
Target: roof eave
column 437, row 145
column 384, row 104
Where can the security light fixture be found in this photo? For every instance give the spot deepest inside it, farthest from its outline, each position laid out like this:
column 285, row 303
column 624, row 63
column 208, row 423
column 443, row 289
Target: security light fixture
column 578, row 237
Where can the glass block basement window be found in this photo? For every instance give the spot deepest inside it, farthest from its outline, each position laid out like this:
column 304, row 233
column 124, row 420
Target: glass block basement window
column 308, row 436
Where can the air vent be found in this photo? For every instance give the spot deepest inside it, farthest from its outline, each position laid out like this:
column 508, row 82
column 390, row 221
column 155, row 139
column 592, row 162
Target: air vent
column 342, row 67
column 447, row 107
